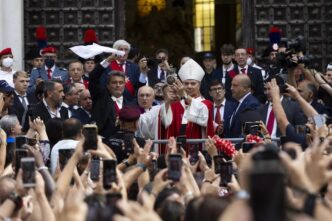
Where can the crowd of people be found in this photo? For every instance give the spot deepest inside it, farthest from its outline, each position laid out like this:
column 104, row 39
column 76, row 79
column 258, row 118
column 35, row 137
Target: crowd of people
column 107, row 139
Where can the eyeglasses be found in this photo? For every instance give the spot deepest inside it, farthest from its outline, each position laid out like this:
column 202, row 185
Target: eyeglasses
column 217, row 89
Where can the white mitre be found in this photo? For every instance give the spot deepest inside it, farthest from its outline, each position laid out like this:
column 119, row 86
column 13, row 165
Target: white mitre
column 191, row 70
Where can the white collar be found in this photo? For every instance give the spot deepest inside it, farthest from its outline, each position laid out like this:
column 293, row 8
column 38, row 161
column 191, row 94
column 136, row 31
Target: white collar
column 117, row 98
column 222, row 103
column 25, row 94
column 244, row 97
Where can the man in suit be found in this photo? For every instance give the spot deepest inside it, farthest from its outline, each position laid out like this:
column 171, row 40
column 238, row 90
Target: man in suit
column 83, row 113
column 22, row 99
column 293, row 112
column 70, row 100
column 255, row 75
column 134, row 77
column 309, row 92
column 241, row 91
column 50, row 106
column 209, row 66
column 49, row 70
column 107, row 101
column 158, row 72
column 222, row 108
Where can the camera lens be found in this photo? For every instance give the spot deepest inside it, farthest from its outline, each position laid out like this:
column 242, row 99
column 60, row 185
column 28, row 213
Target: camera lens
column 170, row 79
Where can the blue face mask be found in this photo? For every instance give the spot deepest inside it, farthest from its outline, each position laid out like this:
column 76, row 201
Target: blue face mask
column 49, row 62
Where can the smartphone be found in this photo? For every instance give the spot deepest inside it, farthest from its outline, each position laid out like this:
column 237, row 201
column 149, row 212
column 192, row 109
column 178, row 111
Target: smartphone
column 226, row 172
column 217, row 163
column 90, row 134
column 174, row 167
column 193, row 154
column 64, row 156
column 247, row 146
column 302, row 129
column 19, row 154
column 109, row 173
column 251, row 127
column 283, row 88
column 95, row 168
column 128, row 142
column 32, row 141
column 319, row 120
column 181, row 142
column 29, row 171
column 20, row 141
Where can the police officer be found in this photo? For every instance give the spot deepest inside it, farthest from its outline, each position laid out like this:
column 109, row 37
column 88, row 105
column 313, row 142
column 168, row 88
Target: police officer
column 122, row 141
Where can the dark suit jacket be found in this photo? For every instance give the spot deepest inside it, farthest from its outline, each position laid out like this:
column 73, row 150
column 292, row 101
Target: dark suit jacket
column 19, row 110
column 230, row 107
column 257, row 84
column 81, row 115
column 234, row 129
column 39, row 110
column 293, row 112
column 153, row 76
column 320, row 108
column 103, row 111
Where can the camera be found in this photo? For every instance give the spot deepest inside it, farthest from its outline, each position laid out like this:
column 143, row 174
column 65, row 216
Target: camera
column 152, row 62
column 171, row 76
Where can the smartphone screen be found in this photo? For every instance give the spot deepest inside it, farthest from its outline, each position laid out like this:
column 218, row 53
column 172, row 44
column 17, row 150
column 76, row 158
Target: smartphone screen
column 128, row 142
column 19, row 154
column 64, row 156
column 246, row 147
column 109, row 173
column 90, row 135
column 29, row 174
column 319, row 120
column 193, row 154
column 95, row 168
column 20, row 141
column 226, row 173
column 174, row 167
column 217, row 163
column 181, row 142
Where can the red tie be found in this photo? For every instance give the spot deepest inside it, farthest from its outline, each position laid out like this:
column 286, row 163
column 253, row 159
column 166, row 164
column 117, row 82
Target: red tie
column 49, row 74
column 243, row 70
column 270, row 122
column 217, row 119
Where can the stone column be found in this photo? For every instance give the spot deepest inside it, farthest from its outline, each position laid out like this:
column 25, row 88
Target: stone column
column 11, row 29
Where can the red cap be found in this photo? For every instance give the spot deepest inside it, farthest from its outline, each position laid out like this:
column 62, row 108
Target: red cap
column 90, row 36
column 129, row 113
column 250, row 51
column 48, row 50
column 6, row 51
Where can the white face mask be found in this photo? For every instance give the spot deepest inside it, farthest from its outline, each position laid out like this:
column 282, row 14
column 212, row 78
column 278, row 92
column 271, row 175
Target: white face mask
column 7, row 62
column 249, row 61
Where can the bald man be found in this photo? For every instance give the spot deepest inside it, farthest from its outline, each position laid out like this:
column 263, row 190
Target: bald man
column 241, row 91
column 145, row 97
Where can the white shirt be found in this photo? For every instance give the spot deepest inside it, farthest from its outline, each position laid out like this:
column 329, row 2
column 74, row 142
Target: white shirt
column 22, row 97
column 159, row 73
column 62, row 144
column 275, row 126
column 118, row 101
column 222, row 110
column 53, row 114
column 246, row 67
column 7, row 76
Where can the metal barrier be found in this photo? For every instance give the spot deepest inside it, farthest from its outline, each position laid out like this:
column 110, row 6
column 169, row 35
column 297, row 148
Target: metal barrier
column 194, row 141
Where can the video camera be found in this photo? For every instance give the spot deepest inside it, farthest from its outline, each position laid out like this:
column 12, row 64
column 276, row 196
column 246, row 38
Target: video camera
column 294, row 46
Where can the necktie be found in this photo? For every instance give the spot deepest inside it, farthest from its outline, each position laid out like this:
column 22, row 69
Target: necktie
column 162, row 75
column 217, row 119
column 243, row 70
column 270, row 122
column 49, row 74
column 24, row 104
